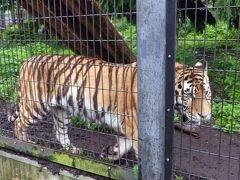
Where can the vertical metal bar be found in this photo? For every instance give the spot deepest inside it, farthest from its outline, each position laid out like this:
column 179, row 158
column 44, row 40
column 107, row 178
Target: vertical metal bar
column 171, row 16
column 152, row 49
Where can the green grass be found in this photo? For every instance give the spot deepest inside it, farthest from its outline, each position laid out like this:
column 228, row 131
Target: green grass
column 217, row 36
column 179, row 177
column 8, row 90
column 80, row 123
column 11, row 58
column 128, row 31
column 226, row 85
column 227, row 116
column 135, row 172
column 20, row 42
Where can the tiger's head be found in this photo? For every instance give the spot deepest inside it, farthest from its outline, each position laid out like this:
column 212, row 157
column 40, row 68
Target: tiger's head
column 193, row 93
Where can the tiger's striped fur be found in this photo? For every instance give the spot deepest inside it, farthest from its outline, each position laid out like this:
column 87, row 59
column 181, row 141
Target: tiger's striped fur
column 74, row 85
column 90, row 88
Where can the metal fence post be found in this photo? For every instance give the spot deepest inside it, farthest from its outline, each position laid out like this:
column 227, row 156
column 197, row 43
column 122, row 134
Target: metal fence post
column 170, row 86
column 153, row 104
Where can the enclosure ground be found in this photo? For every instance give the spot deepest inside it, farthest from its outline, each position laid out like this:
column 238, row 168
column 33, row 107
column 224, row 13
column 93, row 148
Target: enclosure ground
column 207, row 156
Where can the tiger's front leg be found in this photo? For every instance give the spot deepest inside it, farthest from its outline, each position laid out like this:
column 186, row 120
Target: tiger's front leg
column 20, row 129
column 124, row 143
column 61, row 120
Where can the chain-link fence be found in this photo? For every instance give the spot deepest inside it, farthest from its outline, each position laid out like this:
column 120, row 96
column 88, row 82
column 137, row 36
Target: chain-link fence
column 208, row 31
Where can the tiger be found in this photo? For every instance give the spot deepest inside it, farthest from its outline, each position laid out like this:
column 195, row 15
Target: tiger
column 98, row 91
column 192, row 93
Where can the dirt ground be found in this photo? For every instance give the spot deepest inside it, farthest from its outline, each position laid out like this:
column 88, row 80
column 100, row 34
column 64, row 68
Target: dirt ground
column 215, row 155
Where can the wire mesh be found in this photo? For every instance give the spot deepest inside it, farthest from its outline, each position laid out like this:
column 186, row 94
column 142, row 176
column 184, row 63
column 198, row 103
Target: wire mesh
column 54, row 32
column 60, row 85
column 208, row 31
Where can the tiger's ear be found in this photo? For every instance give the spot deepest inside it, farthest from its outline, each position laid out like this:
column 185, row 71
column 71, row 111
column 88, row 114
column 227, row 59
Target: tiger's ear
column 202, row 65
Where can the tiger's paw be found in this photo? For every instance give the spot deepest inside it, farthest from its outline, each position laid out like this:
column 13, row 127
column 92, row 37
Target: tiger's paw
column 30, row 141
column 72, row 149
column 111, row 152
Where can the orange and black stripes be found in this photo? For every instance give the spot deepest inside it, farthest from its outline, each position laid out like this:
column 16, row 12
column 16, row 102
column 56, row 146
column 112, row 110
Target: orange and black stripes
column 77, row 84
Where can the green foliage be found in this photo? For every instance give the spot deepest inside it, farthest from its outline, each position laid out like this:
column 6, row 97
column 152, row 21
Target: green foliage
column 135, row 171
column 29, row 31
column 112, row 6
column 11, row 56
column 77, row 122
column 8, row 90
column 8, row 5
column 227, row 116
column 213, row 36
column 226, row 85
column 117, row 9
column 179, row 177
column 177, row 117
column 128, row 31
column 186, row 56
column 227, row 13
column 223, row 68
column 15, row 49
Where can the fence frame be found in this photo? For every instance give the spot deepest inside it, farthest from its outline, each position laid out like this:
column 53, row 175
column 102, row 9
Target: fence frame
column 85, row 164
column 156, row 48
column 161, row 39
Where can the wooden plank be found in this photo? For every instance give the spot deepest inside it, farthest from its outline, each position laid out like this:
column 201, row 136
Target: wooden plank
column 83, row 27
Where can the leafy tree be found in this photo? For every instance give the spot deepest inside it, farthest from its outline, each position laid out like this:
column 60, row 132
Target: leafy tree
column 228, row 10
column 119, row 6
column 112, row 6
column 195, row 11
column 224, row 12
column 9, row 5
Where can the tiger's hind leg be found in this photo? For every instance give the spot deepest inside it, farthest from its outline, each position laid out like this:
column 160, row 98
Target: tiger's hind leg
column 61, row 120
column 27, row 117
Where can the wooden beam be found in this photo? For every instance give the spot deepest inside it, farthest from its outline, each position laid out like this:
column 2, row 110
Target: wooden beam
column 83, row 27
